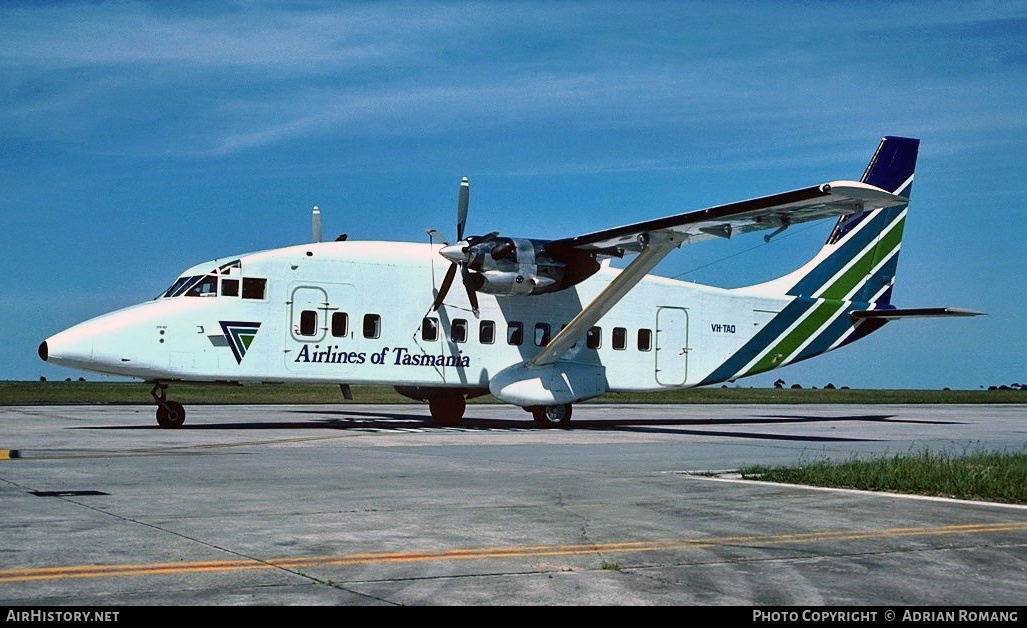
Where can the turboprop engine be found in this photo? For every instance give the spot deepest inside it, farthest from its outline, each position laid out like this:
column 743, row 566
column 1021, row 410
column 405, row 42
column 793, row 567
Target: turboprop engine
column 509, row 266
column 519, row 266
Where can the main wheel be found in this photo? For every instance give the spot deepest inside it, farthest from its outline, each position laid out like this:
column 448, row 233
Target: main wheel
column 170, row 415
column 447, row 411
column 552, row 416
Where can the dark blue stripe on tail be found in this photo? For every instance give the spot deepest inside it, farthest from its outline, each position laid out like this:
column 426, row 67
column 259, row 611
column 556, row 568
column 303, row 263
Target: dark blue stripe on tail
column 893, row 164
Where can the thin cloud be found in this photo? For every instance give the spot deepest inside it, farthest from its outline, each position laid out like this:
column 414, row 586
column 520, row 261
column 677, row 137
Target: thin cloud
column 211, row 82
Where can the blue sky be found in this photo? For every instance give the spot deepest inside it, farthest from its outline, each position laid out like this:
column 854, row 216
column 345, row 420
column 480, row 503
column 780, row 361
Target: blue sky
column 141, row 138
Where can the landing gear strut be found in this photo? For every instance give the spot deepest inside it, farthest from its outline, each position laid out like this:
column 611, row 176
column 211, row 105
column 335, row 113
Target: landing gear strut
column 552, row 416
column 170, row 414
column 447, row 411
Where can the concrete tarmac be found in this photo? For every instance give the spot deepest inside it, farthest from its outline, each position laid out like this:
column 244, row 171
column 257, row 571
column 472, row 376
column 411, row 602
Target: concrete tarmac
column 370, row 504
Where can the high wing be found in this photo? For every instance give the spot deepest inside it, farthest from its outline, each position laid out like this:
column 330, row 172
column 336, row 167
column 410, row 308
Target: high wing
column 835, row 198
column 654, row 239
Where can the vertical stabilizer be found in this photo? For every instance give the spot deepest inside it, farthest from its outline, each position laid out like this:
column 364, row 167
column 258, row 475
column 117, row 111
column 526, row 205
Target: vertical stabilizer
column 893, row 165
column 859, row 259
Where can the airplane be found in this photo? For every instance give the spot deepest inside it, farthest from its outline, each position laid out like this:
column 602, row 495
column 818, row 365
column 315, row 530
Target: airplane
column 540, row 324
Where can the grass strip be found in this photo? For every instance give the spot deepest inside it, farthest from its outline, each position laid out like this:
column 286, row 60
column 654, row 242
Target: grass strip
column 981, row 476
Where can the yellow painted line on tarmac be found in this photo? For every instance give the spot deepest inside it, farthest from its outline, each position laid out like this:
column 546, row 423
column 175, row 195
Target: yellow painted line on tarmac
column 626, row 547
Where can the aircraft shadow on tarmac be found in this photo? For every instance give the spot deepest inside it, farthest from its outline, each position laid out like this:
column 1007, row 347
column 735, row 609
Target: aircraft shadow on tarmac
column 417, row 419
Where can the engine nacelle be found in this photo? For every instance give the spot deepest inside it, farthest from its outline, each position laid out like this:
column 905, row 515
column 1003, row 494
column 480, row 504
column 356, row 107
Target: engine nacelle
column 512, row 282
column 519, row 266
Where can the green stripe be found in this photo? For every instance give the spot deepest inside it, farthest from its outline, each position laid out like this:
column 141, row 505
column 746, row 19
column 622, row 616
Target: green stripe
column 860, row 270
column 777, row 356
column 888, row 243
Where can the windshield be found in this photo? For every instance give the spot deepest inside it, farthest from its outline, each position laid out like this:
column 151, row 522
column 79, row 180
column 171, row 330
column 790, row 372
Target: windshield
column 180, row 285
column 228, row 276
column 194, row 286
column 206, row 287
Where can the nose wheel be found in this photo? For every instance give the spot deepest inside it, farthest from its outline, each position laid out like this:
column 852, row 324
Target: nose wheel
column 170, row 414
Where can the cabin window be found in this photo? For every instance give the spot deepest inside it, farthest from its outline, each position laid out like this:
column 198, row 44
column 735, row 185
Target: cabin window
column 542, row 332
column 459, row 330
column 372, row 325
column 430, row 329
column 229, row 287
column 514, row 333
column 645, row 339
column 620, row 338
column 308, row 323
column 487, row 332
column 340, row 324
column 594, row 337
column 206, row 287
column 253, row 288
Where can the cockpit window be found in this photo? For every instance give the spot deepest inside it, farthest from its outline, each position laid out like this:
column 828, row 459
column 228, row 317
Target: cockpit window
column 182, row 285
column 207, row 286
column 227, row 268
column 228, row 276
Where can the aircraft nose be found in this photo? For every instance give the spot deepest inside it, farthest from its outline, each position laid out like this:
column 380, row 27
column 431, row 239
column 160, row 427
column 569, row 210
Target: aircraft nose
column 67, row 348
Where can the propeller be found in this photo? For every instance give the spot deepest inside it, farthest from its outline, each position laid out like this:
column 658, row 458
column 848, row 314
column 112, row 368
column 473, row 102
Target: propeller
column 458, row 254
column 463, row 199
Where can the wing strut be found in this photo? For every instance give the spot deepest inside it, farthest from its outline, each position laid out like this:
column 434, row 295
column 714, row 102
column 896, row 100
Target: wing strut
column 655, row 247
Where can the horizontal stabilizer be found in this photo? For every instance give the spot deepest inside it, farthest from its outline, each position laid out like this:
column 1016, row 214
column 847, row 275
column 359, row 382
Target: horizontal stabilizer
column 919, row 312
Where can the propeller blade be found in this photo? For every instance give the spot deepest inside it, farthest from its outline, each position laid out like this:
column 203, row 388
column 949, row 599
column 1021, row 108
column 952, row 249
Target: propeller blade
column 432, row 233
column 461, row 208
column 444, row 288
column 469, row 285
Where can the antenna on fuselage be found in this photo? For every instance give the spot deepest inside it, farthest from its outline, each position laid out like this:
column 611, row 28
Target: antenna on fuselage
column 315, row 219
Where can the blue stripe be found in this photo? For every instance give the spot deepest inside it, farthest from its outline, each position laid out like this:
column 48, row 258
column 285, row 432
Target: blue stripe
column 878, row 280
column 845, row 225
column 885, row 298
column 838, row 328
column 816, row 278
column 763, row 339
column 862, row 330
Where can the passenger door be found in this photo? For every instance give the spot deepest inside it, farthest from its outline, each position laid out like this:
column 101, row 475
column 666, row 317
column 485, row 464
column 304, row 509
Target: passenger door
column 671, row 346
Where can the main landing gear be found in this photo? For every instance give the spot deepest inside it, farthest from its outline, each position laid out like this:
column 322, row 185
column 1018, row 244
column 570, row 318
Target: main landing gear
column 447, row 411
column 551, row 416
column 447, row 406
column 170, row 414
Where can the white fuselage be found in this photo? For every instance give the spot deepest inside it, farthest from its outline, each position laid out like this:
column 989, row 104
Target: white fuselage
column 356, row 312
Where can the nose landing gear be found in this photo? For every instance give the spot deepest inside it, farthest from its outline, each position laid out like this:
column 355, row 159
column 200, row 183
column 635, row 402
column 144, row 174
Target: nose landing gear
column 170, row 414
